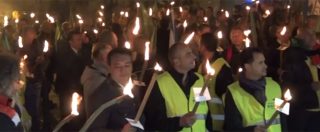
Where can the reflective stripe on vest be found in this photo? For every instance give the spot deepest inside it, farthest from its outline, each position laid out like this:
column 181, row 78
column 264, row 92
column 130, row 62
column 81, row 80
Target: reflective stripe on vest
column 215, row 104
column 177, row 104
column 252, row 112
column 314, row 72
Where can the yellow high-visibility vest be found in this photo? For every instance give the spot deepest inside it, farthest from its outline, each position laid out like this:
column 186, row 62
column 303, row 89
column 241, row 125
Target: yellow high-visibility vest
column 252, row 112
column 177, row 103
column 314, row 73
column 216, row 107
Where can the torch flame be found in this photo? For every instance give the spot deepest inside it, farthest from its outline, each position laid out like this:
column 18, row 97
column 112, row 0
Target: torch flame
column 80, row 21
column 189, row 38
column 240, row 69
column 25, row 57
column 127, row 45
column 136, row 28
column 127, row 89
column 20, row 42
column 185, row 23
column 32, row 15
column 157, row 67
column 16, row 21
column 247, row 32
column 172, row 3
column 205, row 19
column 76, row 99
column 247, row 42
column 168, row 12
column 210, row 70
column 100, row 13
column 78, row 16
column 121, row 13
column 36, row 21
column 5, row 21
column 248, row 8
column 50, row 18
column 138, row 5
column 150, row 11
column 219, row 34
column 147, row 50
column 266, row 13
column 126, row 14
column 284, row 30
column 46, row 46
column 227, row 14
column 102, row 6
column 288, row 6
column 287, row 95
column 100, row 19
column 95, row 31
column 180, row 9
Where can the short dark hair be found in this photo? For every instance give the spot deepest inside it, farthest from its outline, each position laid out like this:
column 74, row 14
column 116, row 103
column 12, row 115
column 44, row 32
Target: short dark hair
column 246, row 56
column 72, row 33
column 118, row 51
column 173, row 51
column 97, row 50
column 9, row 71
column 209, row 41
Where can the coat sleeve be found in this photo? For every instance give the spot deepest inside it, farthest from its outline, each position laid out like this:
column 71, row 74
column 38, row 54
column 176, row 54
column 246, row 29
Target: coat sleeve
column 155, row 112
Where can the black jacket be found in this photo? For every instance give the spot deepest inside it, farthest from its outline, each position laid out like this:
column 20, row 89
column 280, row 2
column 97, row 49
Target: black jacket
column 112, row 118
column 233, row 118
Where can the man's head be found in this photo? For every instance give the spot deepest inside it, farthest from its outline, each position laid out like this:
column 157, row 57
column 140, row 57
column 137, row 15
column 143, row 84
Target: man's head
column 100, row 52
column 28, row 34
column 108, row 37
column 181, row 58
column 9, row 74
column 208, row 42
column 253, row 62
column 237, row 36
column 75, row 39
column 120, row 65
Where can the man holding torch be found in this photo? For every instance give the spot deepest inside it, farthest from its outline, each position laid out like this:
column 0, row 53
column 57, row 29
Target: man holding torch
column 113, row 118
column 219, row 82
column 249, row 102
column 172, row 100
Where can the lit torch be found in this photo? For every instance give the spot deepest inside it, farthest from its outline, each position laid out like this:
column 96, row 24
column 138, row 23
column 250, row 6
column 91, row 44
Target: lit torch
column 127, row 45
column 76, row 99
column 5, row 21
column 189, row 38
column 126, row 92
column 45, row 47
column 146, row 59
column 210, row 72
column 247, row 40
column 157, row 69
column 287, row 98
column 219, row 35
column 136, row 28
column 20, row 43
column 283, row 31
column 150, row 11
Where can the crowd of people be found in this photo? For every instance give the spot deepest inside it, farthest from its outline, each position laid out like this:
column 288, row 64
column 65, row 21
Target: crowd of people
column 258, row 51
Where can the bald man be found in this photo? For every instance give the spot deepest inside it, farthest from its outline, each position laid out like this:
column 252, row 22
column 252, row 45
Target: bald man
column 172, row 99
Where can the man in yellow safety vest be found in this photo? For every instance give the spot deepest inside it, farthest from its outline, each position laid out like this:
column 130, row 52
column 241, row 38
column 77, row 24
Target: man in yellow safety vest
column 171, row 102
column 249, row 102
